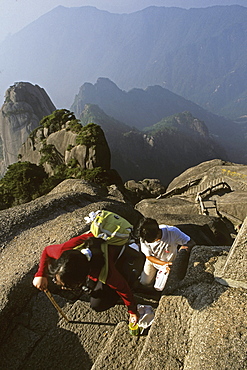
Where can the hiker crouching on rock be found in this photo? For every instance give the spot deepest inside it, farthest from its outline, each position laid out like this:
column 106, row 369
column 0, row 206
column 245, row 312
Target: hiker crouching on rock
column 82, row 259
column 160, row 244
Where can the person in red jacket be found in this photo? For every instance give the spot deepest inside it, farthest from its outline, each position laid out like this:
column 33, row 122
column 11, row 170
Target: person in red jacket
column 81, row 258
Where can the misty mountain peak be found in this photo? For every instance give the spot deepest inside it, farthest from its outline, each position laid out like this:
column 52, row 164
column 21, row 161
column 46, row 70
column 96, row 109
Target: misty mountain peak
column 103, row 82
column 189, row 52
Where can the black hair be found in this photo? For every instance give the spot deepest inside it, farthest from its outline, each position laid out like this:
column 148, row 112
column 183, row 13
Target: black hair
column 73, row 266
column 148, row 229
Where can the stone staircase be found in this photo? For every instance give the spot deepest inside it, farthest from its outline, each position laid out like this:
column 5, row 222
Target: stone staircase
column 209, row 208
column 201, row 191
column 195, row 187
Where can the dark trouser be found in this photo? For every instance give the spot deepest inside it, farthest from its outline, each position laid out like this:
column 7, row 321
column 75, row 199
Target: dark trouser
column 103, row 297
column 130, row 265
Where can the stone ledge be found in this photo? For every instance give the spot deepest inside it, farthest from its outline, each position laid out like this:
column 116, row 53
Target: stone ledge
column 233, row 271
column 231, row 283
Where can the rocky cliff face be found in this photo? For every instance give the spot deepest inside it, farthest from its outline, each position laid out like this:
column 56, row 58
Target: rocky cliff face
column 63, row 147
column 24, row 106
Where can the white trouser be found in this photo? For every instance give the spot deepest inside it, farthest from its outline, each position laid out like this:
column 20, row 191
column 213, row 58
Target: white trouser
column 148, row 274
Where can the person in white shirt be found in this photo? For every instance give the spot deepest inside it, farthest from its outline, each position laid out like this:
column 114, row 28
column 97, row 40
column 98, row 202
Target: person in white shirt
column 160, row 244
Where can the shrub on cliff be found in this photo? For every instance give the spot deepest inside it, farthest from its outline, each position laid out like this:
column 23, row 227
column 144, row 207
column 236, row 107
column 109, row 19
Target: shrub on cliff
column 90, row 135
column 23, row 182
column 20, row 184
column 57, row 120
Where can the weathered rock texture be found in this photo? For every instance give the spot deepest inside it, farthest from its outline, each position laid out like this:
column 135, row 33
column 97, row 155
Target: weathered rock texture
column 199, row 323
column 25, row 105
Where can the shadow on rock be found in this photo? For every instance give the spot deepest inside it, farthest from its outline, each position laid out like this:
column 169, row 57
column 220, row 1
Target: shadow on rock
column 192, row 276
column 40, row 340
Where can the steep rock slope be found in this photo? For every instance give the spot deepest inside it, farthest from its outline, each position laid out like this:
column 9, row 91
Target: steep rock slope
column 207, row 321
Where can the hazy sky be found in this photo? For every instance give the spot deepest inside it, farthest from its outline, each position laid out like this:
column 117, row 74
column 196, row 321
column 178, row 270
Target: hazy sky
column 16, row 14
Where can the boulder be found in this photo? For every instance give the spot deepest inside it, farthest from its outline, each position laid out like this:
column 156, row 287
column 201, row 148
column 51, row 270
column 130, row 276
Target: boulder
column 147, row 188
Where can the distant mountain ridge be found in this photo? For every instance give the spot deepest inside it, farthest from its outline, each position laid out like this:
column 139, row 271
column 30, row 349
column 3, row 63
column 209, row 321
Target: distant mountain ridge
column 163, row 154
column 181, row 122
column 143, row 108
column 199, row 54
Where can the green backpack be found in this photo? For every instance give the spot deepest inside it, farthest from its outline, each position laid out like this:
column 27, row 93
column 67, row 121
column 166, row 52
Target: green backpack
column 112, row 228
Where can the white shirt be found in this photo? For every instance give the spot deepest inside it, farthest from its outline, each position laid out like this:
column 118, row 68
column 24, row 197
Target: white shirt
column 165, row 249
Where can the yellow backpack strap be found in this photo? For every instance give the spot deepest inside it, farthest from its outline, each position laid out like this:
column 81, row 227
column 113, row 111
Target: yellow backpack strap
column 104, row 271
column 79, row 247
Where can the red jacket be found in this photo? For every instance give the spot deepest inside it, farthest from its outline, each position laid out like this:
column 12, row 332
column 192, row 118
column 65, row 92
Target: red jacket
column 114, row 279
